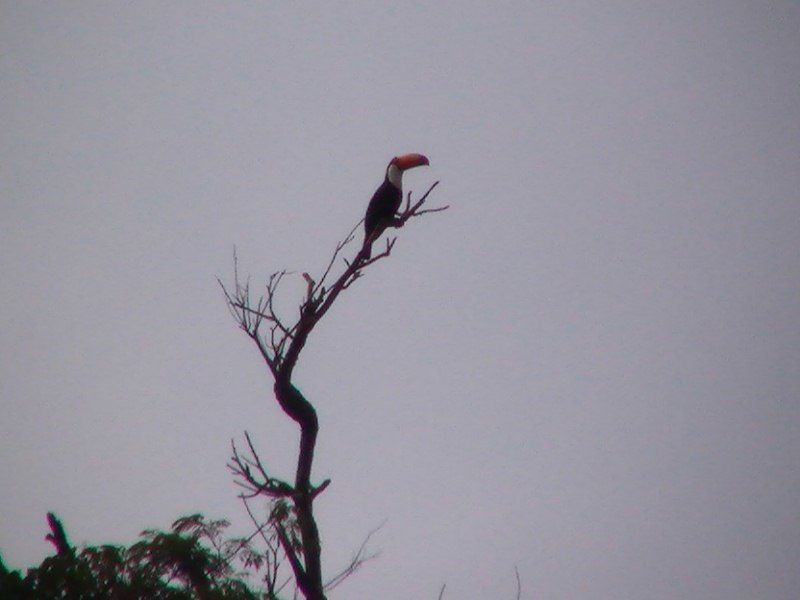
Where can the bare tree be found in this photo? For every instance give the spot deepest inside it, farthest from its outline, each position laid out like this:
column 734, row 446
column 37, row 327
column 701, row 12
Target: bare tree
column 280, row 344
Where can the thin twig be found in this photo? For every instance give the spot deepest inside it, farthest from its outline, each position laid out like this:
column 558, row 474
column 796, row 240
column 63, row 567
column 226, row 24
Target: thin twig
column 260, row 527
column 357, row 561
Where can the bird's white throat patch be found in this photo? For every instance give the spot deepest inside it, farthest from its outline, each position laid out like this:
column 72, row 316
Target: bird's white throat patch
column 395, row 176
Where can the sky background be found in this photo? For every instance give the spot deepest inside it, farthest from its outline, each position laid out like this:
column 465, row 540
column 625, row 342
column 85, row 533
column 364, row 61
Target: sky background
column 587, row 367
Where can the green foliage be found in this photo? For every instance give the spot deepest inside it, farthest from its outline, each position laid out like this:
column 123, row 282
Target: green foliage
column 192, row 561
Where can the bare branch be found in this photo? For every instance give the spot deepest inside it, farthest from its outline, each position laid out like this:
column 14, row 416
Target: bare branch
column 241, row 467
column 429, row 210
column 414, row 211
column 260, row 527
column 359, row 558
column 339, row 247
column 316, row 491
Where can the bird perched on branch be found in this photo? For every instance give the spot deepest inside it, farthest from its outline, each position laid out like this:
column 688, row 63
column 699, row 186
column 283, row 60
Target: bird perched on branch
column 386, row 201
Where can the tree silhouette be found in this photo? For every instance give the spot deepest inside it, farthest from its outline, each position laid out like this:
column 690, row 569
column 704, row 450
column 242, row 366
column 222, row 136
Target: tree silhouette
column 280, row 345
column 191, row 561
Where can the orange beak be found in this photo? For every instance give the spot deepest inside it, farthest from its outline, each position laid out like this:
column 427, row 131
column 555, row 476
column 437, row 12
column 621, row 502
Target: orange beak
column 409, row 161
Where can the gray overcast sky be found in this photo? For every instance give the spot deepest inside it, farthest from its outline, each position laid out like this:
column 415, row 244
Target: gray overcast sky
column 587, row 368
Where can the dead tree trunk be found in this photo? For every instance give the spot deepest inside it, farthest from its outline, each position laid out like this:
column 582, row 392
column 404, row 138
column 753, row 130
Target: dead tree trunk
column 280, row 346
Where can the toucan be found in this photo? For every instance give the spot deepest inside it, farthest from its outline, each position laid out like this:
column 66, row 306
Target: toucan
column 386, row 201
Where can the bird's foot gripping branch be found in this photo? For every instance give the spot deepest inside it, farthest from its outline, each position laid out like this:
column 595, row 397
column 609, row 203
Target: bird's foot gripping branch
column 280, row 342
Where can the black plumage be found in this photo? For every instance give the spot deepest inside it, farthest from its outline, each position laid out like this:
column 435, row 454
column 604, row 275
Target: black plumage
column 381, row 212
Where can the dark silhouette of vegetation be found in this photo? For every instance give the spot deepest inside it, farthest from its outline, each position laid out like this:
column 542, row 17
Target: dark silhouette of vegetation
column 191, row 561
